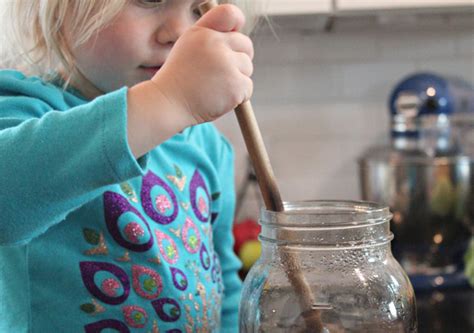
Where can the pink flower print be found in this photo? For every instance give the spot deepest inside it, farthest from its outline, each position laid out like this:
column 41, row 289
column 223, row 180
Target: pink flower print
column 167, row 246
column 135, row 316
column 146, row 282
column 110, row 286
column 190, row 236
column 162, row 203
column 202, row 206
column 134, row 231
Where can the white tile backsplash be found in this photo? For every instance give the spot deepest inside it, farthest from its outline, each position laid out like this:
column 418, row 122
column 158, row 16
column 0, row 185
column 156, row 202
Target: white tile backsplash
column 465, row 42
column 371, row 81
column 321, row 98
column 286, row 80
column 334, row 46
column 462, row 67
column 411, row 45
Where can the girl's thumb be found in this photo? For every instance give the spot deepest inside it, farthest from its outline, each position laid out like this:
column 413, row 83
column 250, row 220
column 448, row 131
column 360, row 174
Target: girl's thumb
column 223, row 18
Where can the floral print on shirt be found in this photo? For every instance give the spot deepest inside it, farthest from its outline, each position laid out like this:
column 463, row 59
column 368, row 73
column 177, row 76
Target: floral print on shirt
column 167, row 265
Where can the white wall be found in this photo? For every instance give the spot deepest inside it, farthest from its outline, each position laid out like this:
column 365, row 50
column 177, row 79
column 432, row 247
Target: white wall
column 321, row 98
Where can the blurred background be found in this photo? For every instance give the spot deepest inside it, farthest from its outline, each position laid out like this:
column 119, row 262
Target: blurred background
column 373, row 100
column 323, row 82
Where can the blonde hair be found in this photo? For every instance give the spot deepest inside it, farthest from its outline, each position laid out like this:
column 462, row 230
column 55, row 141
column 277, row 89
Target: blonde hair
column 37, row 44
column 35, row 31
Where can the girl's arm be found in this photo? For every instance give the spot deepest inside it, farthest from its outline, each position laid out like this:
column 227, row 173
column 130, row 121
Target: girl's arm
column 53, row 162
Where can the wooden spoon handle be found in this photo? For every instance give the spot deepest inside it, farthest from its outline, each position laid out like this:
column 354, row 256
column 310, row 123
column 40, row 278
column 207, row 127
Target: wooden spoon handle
column 255, row 147
column 259, row 157
column 271, row 196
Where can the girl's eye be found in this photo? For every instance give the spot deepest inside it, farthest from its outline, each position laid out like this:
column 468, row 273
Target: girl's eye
column 195, row 8
column 150, row 3
column 197, row 12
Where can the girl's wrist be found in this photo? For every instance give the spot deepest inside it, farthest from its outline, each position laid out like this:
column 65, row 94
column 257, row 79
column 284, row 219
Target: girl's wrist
column 153, row 117
column 174, row 103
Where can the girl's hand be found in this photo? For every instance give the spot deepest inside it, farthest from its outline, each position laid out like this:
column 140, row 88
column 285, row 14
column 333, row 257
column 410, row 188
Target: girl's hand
column 208, row 71
column 206, row 74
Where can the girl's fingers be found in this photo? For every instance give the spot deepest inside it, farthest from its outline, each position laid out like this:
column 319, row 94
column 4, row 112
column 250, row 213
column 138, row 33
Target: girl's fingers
column 244, row 63
column 240, row 43
column 248, row 89
column 223, row 18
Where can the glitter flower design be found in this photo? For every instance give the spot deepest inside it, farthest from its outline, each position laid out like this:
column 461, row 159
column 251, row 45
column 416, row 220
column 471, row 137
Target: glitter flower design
column 151, row 181
column 204, row 257
column 110, row 287
column 115, row 205
column 170, row 251
column 190, row 236
column 162, row 203
column 104, row 290
column 167, row 246
column 193, row 241
column 202, row 206
column 134, row 231
column 167, row 309
column 135, row 316
column 180, row 280
column 197, row 182
column 146, row 282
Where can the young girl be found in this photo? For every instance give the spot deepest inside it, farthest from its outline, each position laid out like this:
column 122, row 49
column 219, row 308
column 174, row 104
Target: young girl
column 117, row 194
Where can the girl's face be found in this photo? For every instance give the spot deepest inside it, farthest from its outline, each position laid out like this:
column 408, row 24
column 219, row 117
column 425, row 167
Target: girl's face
column 135, row 44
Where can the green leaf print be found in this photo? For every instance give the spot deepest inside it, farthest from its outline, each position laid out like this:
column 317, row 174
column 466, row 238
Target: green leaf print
column 170, row 252
column 92, row 237
column 149, row 285
column 178, row 171
column 88, row 308
column 137, row 317
column 193, row 241
column 127, row 189
column 174, row 312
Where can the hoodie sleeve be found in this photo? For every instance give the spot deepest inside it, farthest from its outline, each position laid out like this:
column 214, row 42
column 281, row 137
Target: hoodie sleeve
column 53, row 161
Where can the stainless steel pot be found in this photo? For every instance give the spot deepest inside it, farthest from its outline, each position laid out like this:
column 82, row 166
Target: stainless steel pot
column 432, row 199
column 426, row 177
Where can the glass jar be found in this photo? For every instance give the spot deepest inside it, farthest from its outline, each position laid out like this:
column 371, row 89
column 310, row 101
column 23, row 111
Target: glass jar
column 341, row 252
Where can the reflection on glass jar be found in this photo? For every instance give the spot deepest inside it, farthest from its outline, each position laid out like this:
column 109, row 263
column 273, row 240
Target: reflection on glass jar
column 343, row 252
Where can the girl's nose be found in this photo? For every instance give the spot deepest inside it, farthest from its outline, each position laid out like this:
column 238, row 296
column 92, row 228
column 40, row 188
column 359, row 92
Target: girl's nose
column 173, row 26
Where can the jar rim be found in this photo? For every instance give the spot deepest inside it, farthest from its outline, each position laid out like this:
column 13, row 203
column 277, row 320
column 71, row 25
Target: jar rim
column 327, row 214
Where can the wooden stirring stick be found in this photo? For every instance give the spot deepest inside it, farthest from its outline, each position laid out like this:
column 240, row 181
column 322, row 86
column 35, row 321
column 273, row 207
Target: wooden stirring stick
column 271, row 196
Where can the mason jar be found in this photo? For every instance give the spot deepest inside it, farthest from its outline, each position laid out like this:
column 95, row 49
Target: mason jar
column 339, row 251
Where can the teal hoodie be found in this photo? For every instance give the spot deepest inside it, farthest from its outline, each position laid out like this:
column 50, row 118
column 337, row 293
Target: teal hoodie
column 92, row 239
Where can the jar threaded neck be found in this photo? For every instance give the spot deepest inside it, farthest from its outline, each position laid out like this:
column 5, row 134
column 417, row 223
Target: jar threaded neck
column 327, row 224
